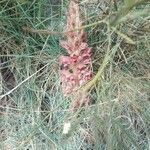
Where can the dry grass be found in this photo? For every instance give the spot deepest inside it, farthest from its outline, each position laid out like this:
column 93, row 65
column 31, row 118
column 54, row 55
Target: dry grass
column 32, row 107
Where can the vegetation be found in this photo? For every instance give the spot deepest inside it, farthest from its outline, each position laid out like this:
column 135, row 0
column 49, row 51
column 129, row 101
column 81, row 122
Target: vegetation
column 33, row 109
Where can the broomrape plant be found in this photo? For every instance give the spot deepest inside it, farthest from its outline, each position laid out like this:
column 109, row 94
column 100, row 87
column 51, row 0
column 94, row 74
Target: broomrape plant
column 75, row 69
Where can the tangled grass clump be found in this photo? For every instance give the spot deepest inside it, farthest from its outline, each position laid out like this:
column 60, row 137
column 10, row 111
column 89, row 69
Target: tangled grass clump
column 33, row 109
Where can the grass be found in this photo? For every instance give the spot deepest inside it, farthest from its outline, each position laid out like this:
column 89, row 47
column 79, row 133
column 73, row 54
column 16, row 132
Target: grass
column 32, row 108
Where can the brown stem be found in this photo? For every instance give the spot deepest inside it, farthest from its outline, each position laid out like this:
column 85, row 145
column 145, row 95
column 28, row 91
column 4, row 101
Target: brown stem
column 45, row 32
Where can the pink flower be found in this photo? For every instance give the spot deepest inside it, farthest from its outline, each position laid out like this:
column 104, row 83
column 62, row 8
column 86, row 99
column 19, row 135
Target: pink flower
column 75, row 69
